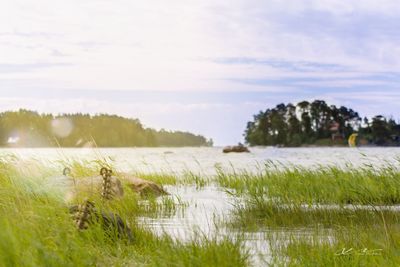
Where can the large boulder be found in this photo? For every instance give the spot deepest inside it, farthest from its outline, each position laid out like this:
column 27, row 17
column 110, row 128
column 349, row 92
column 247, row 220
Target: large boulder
column 142, row 186
column 105, row 184
column 109, row 185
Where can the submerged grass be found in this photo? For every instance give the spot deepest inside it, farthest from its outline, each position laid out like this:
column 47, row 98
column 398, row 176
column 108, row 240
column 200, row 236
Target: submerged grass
column 370, row 245
column 37, row 230
column 253, row 216
column 323, row 235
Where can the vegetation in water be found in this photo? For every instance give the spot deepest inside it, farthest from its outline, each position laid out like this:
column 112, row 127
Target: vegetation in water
column 326, row 216
column 324, row 185
column 321, row 217
column 363, row 244
column 37, row 230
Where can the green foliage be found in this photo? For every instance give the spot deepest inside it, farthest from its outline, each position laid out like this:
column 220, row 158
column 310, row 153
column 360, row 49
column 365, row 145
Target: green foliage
column 308, row 123
column 35, row 130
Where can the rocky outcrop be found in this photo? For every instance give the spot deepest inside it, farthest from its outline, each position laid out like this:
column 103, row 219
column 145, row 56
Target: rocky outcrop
column 238, row 149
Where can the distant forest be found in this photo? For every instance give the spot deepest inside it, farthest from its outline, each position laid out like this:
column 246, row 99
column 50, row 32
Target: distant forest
column 317, row 123
column 26, row 128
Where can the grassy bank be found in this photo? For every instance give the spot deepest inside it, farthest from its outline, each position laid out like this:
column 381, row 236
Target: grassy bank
column 37, row 230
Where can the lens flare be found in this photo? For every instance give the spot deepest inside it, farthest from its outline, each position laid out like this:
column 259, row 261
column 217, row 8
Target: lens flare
column 62, row 127
column 13, row 139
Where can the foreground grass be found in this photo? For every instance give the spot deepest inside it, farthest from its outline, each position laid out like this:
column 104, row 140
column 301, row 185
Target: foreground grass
column 36, row 230
column 336, row 210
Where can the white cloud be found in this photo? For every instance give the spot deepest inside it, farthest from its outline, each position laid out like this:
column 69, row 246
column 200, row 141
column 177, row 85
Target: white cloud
column 180, row 45
column 161, row 45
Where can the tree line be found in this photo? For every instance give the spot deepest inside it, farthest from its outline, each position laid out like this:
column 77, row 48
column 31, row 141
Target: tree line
column 25, row 128
column 318, row 123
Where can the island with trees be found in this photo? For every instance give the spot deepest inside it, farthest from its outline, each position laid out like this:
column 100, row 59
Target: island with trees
column 25, row 128
column 317, row 123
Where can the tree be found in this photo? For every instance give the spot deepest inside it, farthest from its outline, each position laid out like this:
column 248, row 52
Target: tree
column 306, row 123
column 33, row 129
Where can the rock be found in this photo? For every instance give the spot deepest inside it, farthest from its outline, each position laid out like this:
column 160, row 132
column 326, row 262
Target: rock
column 142, row 186
column 105, row 184
column 86, row 214
column 110, row 186
column 238, row 149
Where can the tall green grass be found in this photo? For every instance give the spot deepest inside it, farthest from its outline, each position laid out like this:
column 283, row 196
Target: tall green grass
column 337, row 209
column 349, row 245
column 324, row 185
column 345, row 214
column 36, row 229
column 256, row 216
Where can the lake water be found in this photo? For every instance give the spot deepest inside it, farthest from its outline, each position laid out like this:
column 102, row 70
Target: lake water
column 204, row 160
column 207, row 205
column 205, row 209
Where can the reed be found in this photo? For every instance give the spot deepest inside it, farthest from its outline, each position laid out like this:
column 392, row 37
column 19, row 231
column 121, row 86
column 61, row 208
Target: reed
column 326, row 216
column 323, row 185
column 37, row 230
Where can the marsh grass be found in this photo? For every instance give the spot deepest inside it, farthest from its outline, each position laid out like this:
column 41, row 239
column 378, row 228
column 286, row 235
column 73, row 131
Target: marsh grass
column 329, row 235
column 370, row 245
column 254, row 216
column 85, row 168
column 36, row 229
column 350, row 215
column 324, row 185
column 337, row 209
column 159, row 177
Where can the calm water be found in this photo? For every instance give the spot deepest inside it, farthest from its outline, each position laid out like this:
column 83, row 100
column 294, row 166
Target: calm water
column 204, row 212
column 204, row 160
column 205, row 207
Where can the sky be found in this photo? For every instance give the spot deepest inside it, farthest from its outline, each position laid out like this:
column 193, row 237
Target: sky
column 201, row 66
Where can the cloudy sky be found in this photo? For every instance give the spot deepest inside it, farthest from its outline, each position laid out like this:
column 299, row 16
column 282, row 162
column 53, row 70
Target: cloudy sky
column 203, row 66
